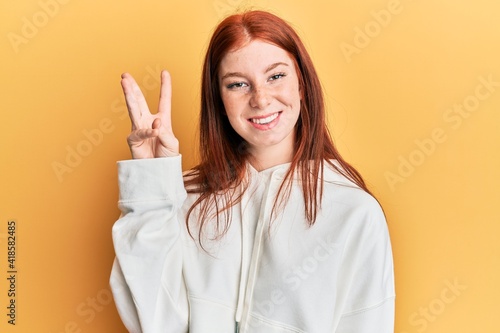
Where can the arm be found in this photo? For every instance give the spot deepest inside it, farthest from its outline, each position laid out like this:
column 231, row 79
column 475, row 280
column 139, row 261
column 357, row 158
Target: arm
column 369, row 278
column 146, row 279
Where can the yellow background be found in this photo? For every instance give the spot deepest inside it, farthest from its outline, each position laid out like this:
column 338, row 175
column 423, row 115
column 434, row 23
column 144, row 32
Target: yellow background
column 389, row 93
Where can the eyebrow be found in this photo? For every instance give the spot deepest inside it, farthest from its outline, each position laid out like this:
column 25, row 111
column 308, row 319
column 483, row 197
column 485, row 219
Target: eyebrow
column 268, row 69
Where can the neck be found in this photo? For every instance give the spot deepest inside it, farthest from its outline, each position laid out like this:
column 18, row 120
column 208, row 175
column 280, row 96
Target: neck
column 268, row 157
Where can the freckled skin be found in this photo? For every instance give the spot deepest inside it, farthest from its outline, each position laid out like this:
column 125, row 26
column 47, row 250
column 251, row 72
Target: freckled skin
column 258, row 81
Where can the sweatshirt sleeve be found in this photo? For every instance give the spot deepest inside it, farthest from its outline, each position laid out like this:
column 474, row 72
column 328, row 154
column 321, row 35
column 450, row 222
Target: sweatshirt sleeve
column 146, row 279
column 369, row 277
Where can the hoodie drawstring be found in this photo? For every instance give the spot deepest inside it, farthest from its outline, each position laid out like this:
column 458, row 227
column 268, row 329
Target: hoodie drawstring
column 249, row 271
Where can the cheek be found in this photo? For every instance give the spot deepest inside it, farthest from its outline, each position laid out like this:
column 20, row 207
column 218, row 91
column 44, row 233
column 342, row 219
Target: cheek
column 292, row 94
column 233, row 105
column 229, row 110
column 294, row 98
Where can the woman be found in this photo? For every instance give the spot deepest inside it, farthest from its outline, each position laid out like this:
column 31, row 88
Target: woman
column 273, row 231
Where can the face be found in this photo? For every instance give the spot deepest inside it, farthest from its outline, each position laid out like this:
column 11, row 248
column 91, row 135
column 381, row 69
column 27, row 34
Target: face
column 260, row 90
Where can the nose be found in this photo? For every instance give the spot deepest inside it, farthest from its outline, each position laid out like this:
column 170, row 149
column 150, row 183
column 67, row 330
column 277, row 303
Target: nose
column 260, row 98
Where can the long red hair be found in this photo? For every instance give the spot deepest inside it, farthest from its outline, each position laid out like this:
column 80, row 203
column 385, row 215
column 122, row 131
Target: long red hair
column 223, row 152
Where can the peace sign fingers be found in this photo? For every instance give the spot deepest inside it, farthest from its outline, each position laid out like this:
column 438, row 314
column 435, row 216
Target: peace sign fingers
column 151, row 135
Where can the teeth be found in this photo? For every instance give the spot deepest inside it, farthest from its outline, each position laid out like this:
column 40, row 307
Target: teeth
column 263, row 121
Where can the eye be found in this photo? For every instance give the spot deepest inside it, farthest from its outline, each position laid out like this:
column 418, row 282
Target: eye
column 277, row 76
column 236, row 85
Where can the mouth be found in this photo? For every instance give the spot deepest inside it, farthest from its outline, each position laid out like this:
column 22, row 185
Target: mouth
column 265, row 120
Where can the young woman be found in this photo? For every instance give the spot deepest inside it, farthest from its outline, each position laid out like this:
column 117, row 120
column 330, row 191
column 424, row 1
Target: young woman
column 273, row 231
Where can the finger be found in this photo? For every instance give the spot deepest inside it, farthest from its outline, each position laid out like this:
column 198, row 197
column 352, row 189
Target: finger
column 136, row 103
column 156, row 123
column 138, row 136
column 133, row 107
column 165, row 105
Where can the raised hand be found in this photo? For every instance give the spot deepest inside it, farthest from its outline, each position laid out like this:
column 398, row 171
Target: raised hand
column 152, row 134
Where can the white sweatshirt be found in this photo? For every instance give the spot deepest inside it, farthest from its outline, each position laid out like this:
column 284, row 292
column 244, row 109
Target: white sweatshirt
column 335, row 277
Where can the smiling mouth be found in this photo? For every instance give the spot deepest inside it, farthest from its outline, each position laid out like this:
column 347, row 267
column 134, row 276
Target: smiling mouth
column 266, row 120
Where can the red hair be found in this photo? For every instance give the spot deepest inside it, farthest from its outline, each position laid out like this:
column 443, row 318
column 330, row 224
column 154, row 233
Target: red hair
column 223, row 152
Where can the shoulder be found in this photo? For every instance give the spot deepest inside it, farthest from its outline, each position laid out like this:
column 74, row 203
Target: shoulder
column 338, row 190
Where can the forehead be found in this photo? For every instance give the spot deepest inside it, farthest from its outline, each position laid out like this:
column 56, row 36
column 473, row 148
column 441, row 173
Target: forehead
column 254, row 55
